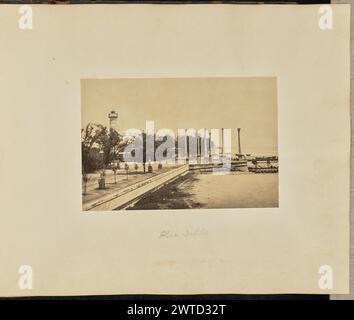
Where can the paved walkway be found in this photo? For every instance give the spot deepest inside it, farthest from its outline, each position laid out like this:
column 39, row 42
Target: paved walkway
column 122, row 180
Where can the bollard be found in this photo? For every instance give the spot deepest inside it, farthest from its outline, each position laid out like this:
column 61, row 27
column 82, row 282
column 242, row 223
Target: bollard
column 101, row 183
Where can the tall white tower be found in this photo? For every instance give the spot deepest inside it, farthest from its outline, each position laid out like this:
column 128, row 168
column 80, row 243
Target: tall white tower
column 113, row 120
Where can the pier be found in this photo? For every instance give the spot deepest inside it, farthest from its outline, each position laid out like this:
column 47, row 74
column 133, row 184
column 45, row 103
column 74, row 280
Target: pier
column 211, row 174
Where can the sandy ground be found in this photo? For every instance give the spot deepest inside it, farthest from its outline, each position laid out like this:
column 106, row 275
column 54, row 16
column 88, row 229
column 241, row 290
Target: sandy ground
column 121, row 175
column 197, row 190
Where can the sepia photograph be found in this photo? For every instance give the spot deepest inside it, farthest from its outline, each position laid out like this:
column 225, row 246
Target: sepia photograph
column 179, row 143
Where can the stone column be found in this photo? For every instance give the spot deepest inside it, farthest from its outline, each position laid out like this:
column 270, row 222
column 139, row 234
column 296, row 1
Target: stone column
column 187, row 146
column 239, row 140
column 222, row 142
column 209, row 144
column 198, row 146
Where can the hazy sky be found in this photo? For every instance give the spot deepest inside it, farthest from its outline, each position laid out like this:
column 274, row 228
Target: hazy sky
column 247, row 103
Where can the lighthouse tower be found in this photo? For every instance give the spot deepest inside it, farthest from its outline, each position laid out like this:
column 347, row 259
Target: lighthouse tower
column 113, row 120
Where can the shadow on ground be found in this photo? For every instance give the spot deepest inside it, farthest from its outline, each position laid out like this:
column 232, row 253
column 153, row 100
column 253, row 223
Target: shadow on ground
column 174, row 195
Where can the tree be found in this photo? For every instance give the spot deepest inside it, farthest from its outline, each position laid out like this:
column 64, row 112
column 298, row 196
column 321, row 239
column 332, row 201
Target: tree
column 114, row 169
column 90, row 137
column 109, row 141
column 100, row 147
column 85, row 179
column 90, row 157
column 126, row 167
column 138, row 150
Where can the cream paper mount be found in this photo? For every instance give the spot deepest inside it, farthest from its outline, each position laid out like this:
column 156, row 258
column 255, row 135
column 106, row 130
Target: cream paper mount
column 280, row 73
